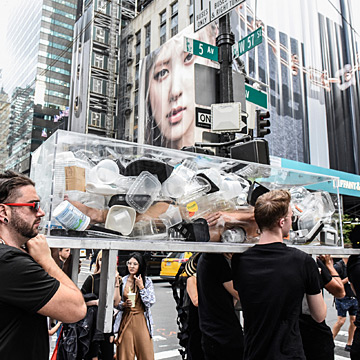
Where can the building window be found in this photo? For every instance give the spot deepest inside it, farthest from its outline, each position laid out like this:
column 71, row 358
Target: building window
column 95, row 119
column 162, row 27
column 137, row 76
column 137, row 46
column 100, row 34
column 101, row 5
column 174, row 19
column 191, row 11
column 99, row 61
column 136, row 108
column 97, row 85
column 78, row 68
column 147, row 38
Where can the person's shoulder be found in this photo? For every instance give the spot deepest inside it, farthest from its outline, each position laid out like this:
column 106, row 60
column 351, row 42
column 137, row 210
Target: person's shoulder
column 10, row 252
column 298, row 253
column 148, row 281
column 354, row 261
column 300, row 256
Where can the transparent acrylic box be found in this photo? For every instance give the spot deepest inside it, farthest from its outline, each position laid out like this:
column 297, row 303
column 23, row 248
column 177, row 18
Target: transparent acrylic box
column 62, row 166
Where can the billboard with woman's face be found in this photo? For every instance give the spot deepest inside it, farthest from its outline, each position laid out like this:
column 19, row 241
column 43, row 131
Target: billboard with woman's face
column 167, row 91
column 309, row 63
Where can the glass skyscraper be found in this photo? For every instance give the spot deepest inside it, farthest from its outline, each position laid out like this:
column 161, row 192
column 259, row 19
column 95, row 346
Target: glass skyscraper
column 39, row 45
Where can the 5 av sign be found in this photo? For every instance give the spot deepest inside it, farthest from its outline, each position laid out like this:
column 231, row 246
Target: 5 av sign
column 201, row 49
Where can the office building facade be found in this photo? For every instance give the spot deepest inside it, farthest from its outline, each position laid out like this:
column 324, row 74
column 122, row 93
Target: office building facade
column 39, row 37
column 95, row 66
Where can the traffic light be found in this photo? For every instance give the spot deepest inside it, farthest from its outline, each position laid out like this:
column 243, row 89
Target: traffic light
column 262, row 124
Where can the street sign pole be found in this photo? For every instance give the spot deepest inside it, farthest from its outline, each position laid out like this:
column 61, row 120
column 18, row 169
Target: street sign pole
column 224, row 42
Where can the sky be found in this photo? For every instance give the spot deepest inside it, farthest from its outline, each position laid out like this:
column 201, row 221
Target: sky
column 4, row 14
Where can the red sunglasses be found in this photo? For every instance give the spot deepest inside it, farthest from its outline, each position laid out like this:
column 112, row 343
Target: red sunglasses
column 35, row 205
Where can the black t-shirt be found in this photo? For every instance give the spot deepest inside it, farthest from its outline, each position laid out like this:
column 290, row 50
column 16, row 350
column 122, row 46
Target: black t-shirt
column 353, row 272
column 316, row 337
column 91, row 285
column 216, row 307
column 271, row 280
column 341, row 268
column 25, row 289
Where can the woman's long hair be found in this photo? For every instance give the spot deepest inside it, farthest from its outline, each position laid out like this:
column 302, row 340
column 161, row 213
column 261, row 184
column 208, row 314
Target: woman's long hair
column 142, row 265
column 97, row 263
column 152, row 133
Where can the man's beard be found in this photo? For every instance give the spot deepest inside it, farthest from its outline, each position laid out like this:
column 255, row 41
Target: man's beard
column 22, row 227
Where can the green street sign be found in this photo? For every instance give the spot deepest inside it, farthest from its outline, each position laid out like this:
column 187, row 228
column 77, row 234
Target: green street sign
column 202, row 49
column 256, row 97
column 250, row 41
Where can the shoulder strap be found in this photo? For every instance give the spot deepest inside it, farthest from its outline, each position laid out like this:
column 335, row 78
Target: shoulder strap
column 92, row 283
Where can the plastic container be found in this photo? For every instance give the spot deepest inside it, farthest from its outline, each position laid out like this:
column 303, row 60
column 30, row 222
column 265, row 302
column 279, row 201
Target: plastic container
column 183, row 174
column 171, row 217
column 234, row 235
column 145, row 184
column 195, row 206
column 121, row 218
column 70, row 217
column 105, row 172
column 147, row 228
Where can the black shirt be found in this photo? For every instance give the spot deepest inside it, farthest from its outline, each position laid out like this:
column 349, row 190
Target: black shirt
column 317, row 337
column 341, row 268
column 91, row 285
column 271, row 280
column 25, row 289
column 353, row 271
column 216, row 307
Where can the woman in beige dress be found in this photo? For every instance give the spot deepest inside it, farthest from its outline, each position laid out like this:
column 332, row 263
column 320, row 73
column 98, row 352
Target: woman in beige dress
column 133, row 324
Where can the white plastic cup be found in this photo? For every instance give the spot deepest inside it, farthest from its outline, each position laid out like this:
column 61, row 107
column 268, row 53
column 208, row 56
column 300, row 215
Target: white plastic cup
column 174, row 187
column 70, row 217
column 231, row 189
column 171, row 217
column 105, row 172
column 131, row 296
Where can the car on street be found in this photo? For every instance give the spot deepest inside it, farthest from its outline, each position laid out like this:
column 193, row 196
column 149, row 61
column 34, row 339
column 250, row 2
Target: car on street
column 171, row 264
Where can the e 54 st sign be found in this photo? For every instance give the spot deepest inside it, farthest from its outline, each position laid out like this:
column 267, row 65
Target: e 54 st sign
column 250, row 41
column 202, row 49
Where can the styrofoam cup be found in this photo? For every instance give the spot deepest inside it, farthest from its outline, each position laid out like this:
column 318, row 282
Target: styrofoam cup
column 121, row 218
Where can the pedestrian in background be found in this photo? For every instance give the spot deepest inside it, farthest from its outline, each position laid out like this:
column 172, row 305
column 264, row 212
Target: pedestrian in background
column 347, row 304
column 194, row 350
column 93, row 256
column 32, row 284
column 317, row 337
column 133, row 324
column 222, row 336
column 353, row 270
column 271, row 280
column 63, row 256
column 100, row 349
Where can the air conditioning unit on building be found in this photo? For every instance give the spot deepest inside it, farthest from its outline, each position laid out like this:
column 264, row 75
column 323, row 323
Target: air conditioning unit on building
column 128, row 106
column 130, row 57
column 129, row 82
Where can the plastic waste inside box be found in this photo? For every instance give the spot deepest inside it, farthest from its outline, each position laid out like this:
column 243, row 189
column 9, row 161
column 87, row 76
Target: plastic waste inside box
column 141, row 191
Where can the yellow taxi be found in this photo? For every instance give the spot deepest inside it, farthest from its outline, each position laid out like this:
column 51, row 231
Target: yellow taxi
column 171, row 264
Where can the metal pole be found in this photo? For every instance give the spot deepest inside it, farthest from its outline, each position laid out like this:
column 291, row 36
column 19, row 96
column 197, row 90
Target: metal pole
column 224, row 41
